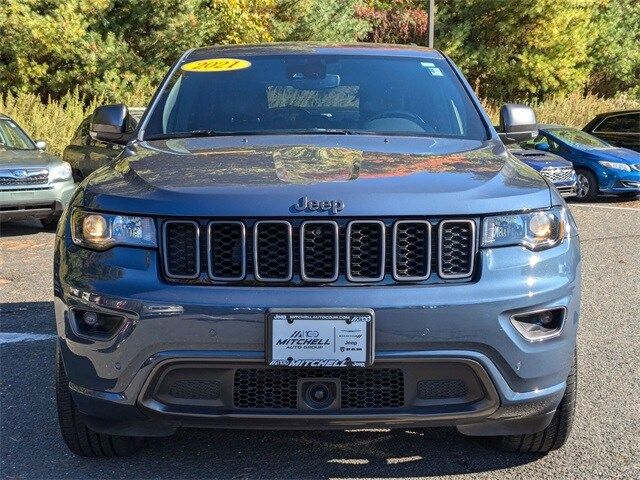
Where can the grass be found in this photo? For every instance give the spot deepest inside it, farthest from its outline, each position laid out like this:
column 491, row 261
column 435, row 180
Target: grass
column 574, row 110
column 55, row 121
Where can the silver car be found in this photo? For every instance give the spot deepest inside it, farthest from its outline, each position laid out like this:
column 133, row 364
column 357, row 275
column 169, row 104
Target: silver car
column 33, row 184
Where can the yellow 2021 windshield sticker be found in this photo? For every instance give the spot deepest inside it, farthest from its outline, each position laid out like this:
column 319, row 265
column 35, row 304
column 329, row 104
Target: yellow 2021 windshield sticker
column 216, row 65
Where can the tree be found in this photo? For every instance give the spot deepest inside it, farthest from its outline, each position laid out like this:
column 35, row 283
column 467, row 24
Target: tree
column 615, row 48
column 317, row 20
column 48, row 48
column 518, row 49
column 395, row 21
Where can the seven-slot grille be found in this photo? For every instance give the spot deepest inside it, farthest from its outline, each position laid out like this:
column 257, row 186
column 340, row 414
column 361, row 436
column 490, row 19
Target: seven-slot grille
column 318, row 251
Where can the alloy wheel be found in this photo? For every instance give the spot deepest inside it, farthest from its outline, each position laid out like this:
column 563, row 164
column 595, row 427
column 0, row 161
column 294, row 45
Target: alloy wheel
column 582, row 186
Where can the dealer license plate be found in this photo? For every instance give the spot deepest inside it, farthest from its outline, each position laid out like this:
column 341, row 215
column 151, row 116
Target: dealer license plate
column 318, row 338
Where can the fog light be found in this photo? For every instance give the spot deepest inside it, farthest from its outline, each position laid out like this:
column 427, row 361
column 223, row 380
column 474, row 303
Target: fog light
column 539, row 325
column 98, row 325
column 90, row 318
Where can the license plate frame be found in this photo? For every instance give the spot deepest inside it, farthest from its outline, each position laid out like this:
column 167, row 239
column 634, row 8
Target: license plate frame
column 349, row 324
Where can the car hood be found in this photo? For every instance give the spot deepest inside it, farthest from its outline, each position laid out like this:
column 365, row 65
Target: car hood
column 539, row 159
column 10, row 159
column 617, row 155
column 267, row 176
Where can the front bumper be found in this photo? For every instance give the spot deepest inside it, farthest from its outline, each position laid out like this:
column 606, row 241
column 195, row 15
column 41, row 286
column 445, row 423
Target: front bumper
column 43, row 202
column 566, row 189
column 222, row 329
column 618, row 181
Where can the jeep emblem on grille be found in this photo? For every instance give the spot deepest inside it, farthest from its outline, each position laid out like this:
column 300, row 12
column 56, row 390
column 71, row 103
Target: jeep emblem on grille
column 333, row 206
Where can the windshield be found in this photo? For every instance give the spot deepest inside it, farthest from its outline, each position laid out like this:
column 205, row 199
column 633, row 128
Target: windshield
column 579, row 138
column 13, row 138
column 316, row 94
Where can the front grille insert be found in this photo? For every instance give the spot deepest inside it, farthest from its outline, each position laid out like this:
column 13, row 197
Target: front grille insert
column 411, row 250
column 30, row 177
column 227, row 251
column 318, row 251
column 195, row 389
column 558, row 174
column 273, row 251
column 319, row 247
column 456, row 244
column 181, row 249
column 441, row 389
column 365, row 251
column 264, row 388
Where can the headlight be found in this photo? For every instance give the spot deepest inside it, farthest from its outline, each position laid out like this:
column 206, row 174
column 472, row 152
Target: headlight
column 60, row 172
column 615, row 165
column 534, row 230
column 101, row 230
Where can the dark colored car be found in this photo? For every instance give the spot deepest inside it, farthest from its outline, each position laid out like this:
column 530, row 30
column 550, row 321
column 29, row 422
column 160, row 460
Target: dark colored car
column 315, row 236
column 600, row 167
column 33, row 183
column 620, row 129
column 558, row 171
column 86, row 154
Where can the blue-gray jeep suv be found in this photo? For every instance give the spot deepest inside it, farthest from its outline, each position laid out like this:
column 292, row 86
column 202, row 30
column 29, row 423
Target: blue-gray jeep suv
column 314, row 236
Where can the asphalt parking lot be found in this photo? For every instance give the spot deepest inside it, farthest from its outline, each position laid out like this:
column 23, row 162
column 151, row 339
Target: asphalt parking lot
column 605, row 440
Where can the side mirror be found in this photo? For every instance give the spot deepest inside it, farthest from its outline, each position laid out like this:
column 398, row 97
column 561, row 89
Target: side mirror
column 108, row 123
column 517, row 123
column 41, row 145
column 545, row 147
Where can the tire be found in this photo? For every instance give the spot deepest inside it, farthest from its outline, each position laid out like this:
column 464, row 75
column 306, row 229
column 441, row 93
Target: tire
column 629, row 194
column 50, row 223
column 586, row 186
column 557, row 433
column 77, row 176
column 80, row 439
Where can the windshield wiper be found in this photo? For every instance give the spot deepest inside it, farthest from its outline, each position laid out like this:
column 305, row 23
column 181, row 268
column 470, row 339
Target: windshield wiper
column 284, row 131
column 188, row 134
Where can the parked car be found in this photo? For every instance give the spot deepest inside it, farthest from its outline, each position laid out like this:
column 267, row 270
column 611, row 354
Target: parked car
column 620, row 129
column 86, row 154
column 600, row 167
column 316, row 236
column 557, row 170
column 33, row 184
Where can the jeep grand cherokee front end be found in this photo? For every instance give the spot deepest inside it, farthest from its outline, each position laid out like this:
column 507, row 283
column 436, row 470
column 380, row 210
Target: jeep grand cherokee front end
column 309, row 236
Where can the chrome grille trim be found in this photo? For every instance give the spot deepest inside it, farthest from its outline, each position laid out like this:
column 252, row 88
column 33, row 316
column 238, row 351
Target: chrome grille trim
column 380, row 277
column 256, row 268
column 469, row 272
column 558, row 174
column 243, row 253
column 33, row 177
column 394, row 247
column 165, row 250
column 336, row 260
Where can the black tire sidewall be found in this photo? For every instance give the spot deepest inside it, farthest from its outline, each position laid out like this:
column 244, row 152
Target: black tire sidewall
column 592, row 194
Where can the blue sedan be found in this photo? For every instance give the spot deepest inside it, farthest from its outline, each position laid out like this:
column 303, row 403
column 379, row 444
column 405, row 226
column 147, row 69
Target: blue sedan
column 600, row 167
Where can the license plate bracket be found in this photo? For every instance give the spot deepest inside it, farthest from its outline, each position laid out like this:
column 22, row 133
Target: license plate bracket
column 318, row 337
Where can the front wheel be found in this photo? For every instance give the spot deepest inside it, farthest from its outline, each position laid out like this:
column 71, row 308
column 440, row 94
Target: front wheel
column 80, row 439
column 557, row 433
column 50, row 223
column 586, row 185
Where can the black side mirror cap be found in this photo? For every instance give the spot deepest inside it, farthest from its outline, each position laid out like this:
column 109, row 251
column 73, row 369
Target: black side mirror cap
column 109, row 123
column 518, row 123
